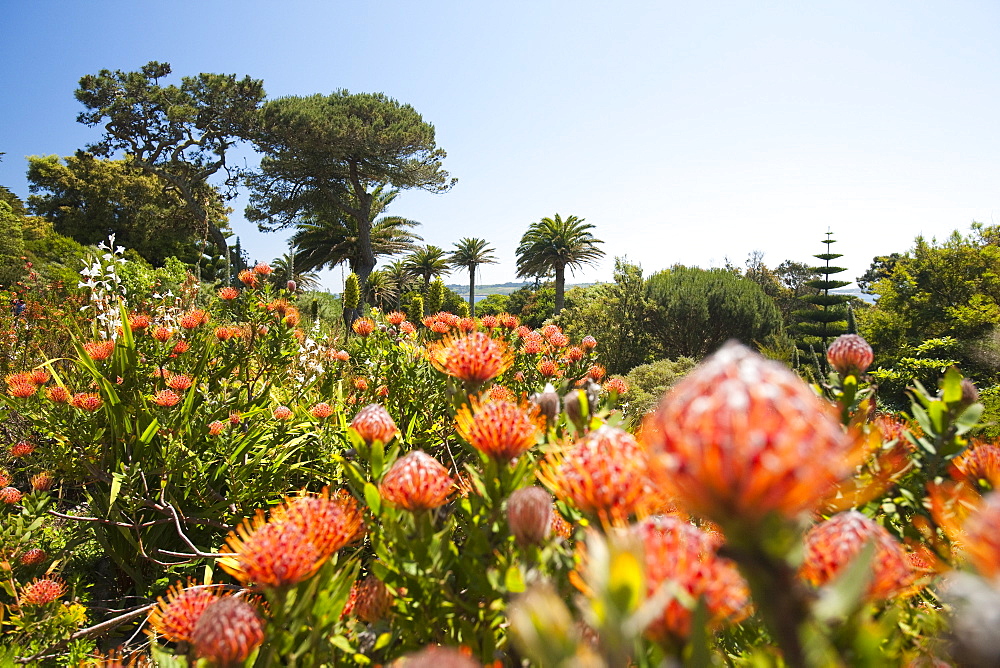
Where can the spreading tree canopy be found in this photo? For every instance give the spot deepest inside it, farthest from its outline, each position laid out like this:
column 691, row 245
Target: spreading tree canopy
column 552, row 245
column 331, row 152
column 181, row 134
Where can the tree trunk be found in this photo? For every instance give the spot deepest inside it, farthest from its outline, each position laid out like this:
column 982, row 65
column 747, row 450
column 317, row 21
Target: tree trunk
column 363, row 217
column 219, row 239
column 472, row 292
column 560, row 288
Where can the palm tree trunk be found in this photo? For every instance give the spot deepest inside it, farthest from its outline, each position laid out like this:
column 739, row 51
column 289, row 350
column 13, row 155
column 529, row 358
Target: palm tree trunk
column 560, row 288
column 472, row 292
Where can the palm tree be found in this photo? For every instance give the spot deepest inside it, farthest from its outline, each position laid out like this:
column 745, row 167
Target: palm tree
column 427, row 262
column 469, row 253
column 285, row 269
column 380, row 291
column 331, row 238
column 552, row 244
column 400, row 277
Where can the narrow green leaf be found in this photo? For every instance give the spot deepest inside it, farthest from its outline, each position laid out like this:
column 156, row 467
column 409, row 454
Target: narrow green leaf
column 373, row 498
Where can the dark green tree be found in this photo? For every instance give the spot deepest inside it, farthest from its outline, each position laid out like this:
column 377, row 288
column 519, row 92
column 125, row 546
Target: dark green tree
column 693, row 311
column 331, row 152
column 180, row 134
column 469, row 253
column 88, row 198
column 11, row 246
column 828, row 317
column 553, row 245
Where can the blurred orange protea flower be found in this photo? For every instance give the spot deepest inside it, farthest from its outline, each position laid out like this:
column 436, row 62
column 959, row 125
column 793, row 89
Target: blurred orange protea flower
column 588, row 343
column 532, row 346
column 361, row 384
column 341, row 356
column 166, row 398
column 235, row 417
column 163, row 334
column 560, row 526
column 979, row 462
column 369, row 600
column 20, row 379
column 21, row 449
column 830, row 546
column 282, row 413
column 501, row 430
column 407, row 327
column 678, row 552
column 742, row 437
column 373, row 423
column 616, row 385
column 508, row 320
column 87, row 401
column 227, row 332
column 501, row 393
column 547, row 368
column 270, row 554
column 363, row 326
column 227, row 632
column 395, row 317
column 603, row 474
column 321, row 410
column 473, row 358
column 439, row 327
column 597, row 372
column 248, row 278
column 42, row 591
column 21, row 390
column 174, row 617
column 559, row 340
column 192, row 320
column 139, row 321
column 99, row 350
column 42, row 482
column 529, row 515
column 489, row 322
column 227, row 294
column 417, row 481
column 575, row 354
column 329, row 522
column 4, row 478
column 33, row 557
column 10, row 495
column 39, row 376
column 982, row 539
column 58, row 394
column 548, row 331
column 179, row 382
column 263, row 269
column 850, row 355
column 181, row 347
column 216, row 428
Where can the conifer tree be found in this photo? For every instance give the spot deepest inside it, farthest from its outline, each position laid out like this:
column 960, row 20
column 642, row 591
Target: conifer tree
column 829, row 319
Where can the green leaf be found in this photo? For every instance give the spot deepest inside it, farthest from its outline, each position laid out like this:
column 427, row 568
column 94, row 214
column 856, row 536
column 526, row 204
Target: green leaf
column 513, row 580
column 951, row 386
column 843, row 596
column 373, row 498
column 341, row 643
column 382, row 641
column 116, row 485
column 969, row 418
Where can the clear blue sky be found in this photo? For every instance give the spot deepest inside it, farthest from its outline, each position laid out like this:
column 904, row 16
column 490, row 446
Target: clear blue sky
column 685, row 131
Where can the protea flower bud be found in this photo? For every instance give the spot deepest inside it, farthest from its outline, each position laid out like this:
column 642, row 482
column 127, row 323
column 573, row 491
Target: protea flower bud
column 529, row 515
column 417, row 481
column 372, row 599
column 228, row 632
column 33, row 557
column 548, row 402
column 970, row 393
column 835, row 543
column 850, row 355
column 291, row 286
column 373, row 423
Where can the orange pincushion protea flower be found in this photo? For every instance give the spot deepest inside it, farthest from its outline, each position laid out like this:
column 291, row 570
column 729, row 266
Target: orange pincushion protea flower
column 21, row 449
column 395, row 317
column 174, row 617
column 10, row 495
column 547, row 368
column 369, row 600
column 179, row 382
column 417, row 481
column 216, row 428
column 227, row 632
column 508, row 320
column 603, row 474
column 501, row 430
column 321, row 410
column 472, row 358
column 616, row 385
column 282, row 413
column 532, row 346
column 979, row 462
column 678, row 552
column 329, row 522
column 363, row 326
column 832, row 545
column 139, row 321
column 21, row 390
column 742, row 437
column 42, row 591
column 166, row 398
column 42, row 482
column 373, row 423
column 407, row 327
column 489, row 322
column 227, row 294
column 588, row 343
column 575, row 354
column 181, row 347
column 58, row 394
column 33, row 557
column 99, row 350
column 982, row 540
column 467, row 324
column 270, row 554
column 87, row 401
column 39, row 376
column 263, row 269
column 501, row 393
column 559, row 340
column 248, row 278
